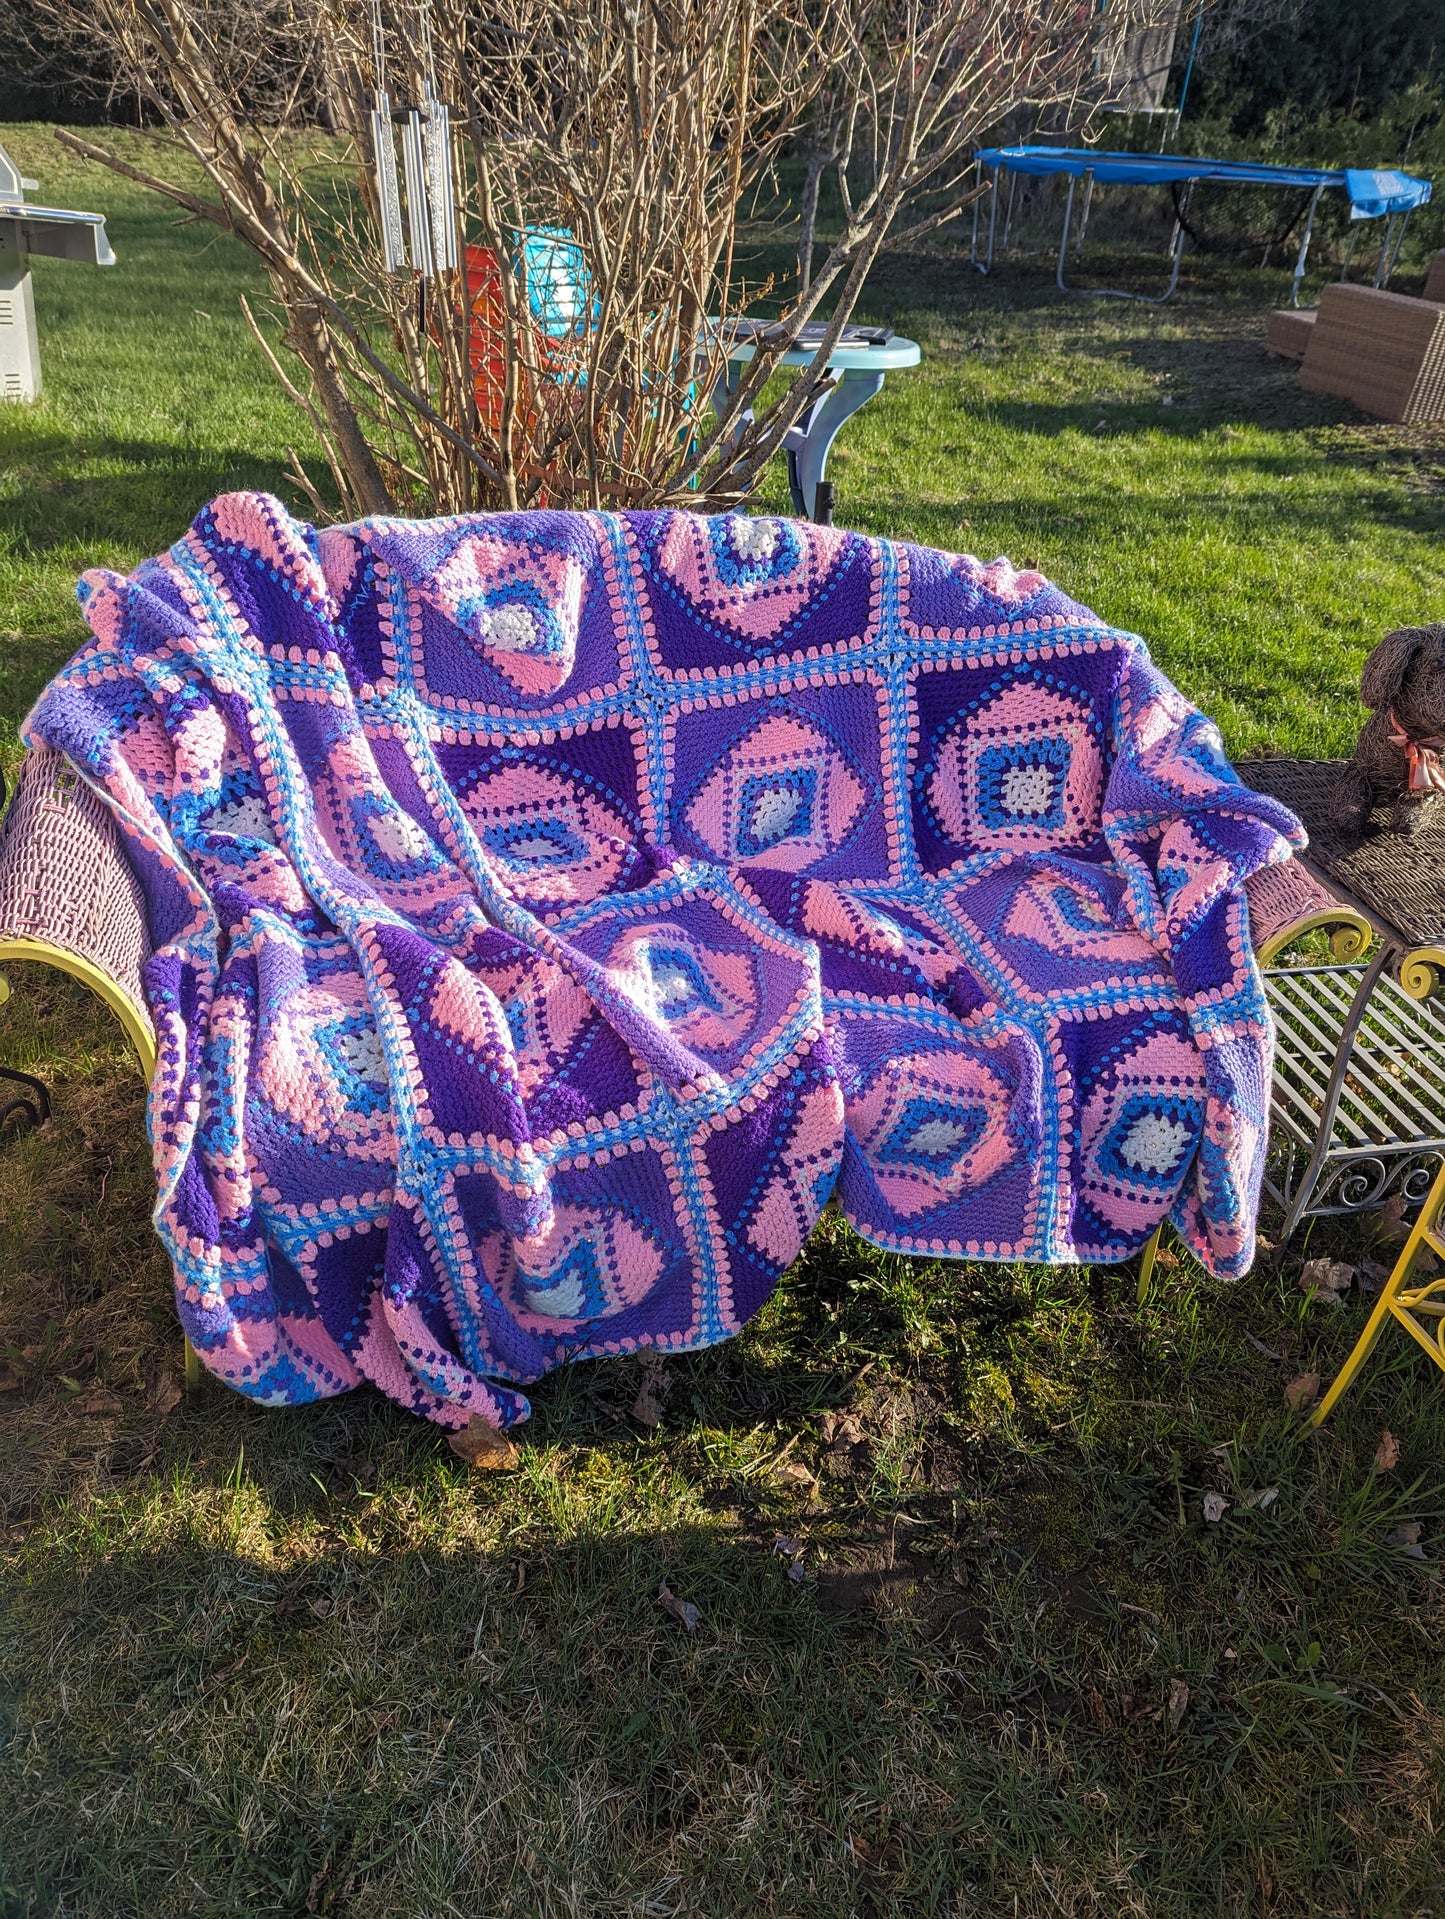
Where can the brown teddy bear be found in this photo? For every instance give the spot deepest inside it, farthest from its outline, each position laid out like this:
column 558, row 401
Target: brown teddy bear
column 1397, row 759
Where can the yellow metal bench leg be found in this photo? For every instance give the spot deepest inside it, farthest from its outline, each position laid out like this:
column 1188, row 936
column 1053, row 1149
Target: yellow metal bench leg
column 195, row 1372
column 1401, row 1300
column 1146, row 1263
column 1344, row 1378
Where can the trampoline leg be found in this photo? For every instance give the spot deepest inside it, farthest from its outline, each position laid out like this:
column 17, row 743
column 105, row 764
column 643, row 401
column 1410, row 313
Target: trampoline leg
column 1064, row 237
column 1115, row 293
column 1399, row 243
column 1088, row 202
column 973, row 259
column 992, row 218
column 1390, row 251
column 1384, row 250
column 1304, row 247
column 1008, row 218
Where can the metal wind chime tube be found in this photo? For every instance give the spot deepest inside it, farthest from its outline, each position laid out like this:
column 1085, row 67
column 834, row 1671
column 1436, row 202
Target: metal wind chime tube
column 388, row 193
column 436, row 144
column 418, row 221
column 430, row 230
column 441, row 193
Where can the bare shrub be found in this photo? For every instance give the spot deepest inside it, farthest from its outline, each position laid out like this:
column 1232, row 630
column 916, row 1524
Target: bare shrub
column 644, row 129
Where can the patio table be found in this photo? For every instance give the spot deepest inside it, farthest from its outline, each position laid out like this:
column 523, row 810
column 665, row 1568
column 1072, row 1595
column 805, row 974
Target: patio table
column 858, row 364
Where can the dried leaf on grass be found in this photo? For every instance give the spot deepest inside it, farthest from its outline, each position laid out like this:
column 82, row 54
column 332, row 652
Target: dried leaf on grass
column 1328, row 1279
column 1302, row 1391
column 682, row 1610
column 1261, row 1496
column 101, row 1403
column 879, row 1860
column 483, row 1447
column 164, row 1394
column 295, row 1597
column 1392, row 1223
column 1132, row 1710
column 1178, row 1703
column 1371, row 1275
column 1407, row 1539
column 1215, row 1507
column 652, row 1386
column 1387, row 1453
column 212, row 1680
column 841, row 1429
column 792, row 1550
column 792, row 1472
column 9, row 1381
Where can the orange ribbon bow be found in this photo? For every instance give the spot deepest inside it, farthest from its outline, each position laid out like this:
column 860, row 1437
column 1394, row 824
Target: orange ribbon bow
column 1425, row 774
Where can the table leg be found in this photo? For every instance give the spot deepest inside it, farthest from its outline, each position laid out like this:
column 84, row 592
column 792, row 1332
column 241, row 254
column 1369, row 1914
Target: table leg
column 809, row 442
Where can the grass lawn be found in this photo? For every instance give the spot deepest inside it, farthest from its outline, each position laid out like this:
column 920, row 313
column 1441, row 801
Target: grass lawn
column 994, row 1660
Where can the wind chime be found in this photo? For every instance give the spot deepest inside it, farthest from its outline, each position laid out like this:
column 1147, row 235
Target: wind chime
column 426, row 151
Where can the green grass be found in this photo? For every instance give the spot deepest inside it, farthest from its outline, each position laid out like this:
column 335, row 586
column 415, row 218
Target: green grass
column 258, row 1662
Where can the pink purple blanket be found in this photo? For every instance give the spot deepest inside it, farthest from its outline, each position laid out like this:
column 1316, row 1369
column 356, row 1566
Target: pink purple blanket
column 551, row 911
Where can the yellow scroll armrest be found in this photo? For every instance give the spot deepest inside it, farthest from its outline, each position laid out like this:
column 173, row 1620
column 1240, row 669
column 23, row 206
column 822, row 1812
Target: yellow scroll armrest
column 137, row 1029
column 1350, row 934
column 1423, row 971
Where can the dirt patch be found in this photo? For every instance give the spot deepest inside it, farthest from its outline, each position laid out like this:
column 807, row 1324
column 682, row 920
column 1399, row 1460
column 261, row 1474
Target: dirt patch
column 879, row 1576
column 1080, row 1598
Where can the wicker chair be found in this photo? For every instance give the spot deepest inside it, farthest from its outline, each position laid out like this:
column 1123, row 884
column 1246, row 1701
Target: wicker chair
column 69, row 899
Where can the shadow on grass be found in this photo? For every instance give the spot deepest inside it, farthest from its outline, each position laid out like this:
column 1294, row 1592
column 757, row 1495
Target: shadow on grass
column 306, row 1662
column 291, row 1662
column 129, row 492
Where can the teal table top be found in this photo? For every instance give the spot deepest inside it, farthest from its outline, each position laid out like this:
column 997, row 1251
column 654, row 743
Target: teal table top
column 894, row 353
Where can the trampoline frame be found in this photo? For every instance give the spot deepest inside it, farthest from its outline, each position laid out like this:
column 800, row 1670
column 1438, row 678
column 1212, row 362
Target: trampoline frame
column 1396, row 224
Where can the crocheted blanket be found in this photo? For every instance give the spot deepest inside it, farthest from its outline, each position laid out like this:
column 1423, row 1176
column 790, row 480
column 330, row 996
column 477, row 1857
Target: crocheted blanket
column 551, row 911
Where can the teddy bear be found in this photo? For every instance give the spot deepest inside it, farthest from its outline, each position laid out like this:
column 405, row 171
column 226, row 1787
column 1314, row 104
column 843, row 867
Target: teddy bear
column 1397, row 762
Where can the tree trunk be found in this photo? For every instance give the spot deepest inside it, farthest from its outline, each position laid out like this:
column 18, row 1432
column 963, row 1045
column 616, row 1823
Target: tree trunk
column 817, row 161
column 308, row 336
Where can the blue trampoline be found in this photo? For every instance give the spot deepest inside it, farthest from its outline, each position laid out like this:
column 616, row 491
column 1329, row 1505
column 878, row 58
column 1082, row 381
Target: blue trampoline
column 1372, row 194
